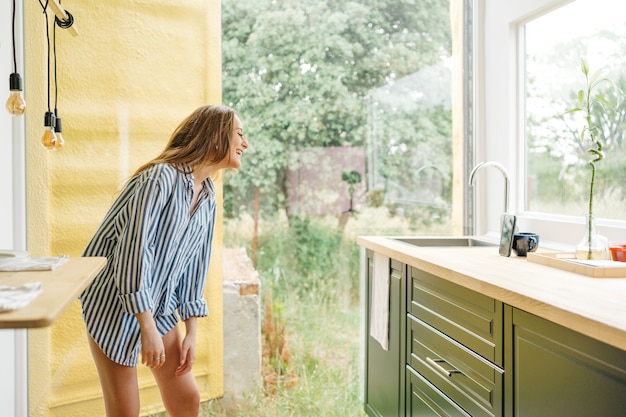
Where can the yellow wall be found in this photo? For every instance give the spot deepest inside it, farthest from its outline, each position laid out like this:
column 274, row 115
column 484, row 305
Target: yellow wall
column 134, row 72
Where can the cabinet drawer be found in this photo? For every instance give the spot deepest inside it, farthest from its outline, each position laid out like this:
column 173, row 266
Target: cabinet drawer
column 425, row 400
column 470, row 318
column 468, row 379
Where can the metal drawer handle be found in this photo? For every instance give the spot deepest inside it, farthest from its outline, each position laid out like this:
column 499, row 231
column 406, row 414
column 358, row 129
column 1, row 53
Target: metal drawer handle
column 436, row 364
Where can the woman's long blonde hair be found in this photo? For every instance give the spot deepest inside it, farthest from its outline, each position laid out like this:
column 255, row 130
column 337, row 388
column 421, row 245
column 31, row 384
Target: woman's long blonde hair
column 202, row 138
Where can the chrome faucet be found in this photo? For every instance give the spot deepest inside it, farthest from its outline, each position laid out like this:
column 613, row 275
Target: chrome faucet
column 505, row 174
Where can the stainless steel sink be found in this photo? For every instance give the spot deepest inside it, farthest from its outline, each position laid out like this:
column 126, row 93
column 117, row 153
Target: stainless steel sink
column 460, row 241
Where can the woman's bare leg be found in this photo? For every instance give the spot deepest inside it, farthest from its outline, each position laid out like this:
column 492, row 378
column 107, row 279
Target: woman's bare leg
column 119, row 384
column 179, row 393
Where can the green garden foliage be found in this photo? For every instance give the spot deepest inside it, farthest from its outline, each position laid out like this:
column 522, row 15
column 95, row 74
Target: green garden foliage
column 305, row 74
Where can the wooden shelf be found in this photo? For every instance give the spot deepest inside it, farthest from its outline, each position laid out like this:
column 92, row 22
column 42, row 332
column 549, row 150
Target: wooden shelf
column 60, row 288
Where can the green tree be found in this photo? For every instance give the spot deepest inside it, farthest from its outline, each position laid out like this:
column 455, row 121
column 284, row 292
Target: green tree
column 301, row 72
column 557, row 156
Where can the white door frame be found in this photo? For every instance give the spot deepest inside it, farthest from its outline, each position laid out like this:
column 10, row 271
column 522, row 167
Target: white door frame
column 13, row 343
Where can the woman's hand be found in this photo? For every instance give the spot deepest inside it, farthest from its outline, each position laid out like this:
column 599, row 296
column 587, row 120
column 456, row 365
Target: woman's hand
column 188, row 348
column 152, row 348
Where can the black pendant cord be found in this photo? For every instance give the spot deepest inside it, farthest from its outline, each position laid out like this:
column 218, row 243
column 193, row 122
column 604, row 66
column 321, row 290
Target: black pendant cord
column 45, row 12
column 48, row 39
column 13, row 32
column 56, row 86
column 58, row 127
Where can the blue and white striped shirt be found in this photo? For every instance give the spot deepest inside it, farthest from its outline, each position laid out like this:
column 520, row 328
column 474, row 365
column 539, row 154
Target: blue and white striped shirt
column 157, row 259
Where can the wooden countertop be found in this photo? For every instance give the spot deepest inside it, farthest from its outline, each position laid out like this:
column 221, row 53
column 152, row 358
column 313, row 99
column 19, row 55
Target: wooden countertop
column 595, row 307
column 60, row 288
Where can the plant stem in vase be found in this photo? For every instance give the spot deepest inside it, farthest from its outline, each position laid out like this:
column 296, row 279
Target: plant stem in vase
column 593, row 246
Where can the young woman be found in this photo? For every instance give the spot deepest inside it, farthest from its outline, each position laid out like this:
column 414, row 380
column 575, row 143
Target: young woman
column 157, row 240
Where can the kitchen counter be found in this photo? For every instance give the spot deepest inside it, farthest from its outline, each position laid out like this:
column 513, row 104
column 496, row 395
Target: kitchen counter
column 595, row 307
column 60, row 288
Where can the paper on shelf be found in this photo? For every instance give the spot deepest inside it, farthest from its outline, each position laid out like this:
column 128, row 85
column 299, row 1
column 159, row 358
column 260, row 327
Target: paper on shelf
column 33, row 264
column 14, row 297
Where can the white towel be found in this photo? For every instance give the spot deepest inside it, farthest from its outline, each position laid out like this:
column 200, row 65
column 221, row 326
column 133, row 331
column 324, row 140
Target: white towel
column 27, row 263
column 12, row 298
column 379, row 313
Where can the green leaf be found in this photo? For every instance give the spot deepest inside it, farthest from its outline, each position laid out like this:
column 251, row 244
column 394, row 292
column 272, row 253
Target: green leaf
column 581, row 99
column 583, row 66
column 604, row 101
column 574, row 110
column 593, row 81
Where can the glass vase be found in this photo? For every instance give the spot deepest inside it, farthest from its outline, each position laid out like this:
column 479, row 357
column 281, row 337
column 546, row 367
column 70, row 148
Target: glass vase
column 593, row 246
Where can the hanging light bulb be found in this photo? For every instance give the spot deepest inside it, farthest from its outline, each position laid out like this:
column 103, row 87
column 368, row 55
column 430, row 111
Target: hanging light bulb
column 49, row 138
column 58, row 130
column 15, row 104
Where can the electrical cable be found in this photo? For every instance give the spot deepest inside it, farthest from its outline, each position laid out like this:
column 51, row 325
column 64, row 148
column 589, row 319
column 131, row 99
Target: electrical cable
column 58, row 128
column 64, row 24
column 54, row 46
column 13, row 31
column 45, row 12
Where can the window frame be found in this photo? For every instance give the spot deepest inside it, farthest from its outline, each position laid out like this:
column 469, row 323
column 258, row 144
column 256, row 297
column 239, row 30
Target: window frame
column 500, row 125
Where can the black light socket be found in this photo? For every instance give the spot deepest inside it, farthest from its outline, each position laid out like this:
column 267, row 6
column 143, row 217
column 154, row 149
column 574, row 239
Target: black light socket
column 58, row 126
column 48, row 119
column 15, row 82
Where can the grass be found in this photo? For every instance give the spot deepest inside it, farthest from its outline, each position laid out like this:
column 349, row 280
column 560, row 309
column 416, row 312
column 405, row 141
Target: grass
column 312, row 269
column 325, row 347
column 317, row 289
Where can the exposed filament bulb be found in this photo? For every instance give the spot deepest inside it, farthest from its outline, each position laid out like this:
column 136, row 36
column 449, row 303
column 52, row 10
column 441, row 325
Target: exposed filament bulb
column 15, row 104
column 49, row 138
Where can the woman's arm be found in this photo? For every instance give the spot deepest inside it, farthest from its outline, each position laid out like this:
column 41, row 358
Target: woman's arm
column 134, row 254
column 152, row 348
column 188, row 349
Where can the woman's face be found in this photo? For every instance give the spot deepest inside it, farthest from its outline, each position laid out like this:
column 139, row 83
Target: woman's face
column 238, row 144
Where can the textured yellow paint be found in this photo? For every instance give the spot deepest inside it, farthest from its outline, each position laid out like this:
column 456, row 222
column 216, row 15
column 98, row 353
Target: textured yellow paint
column 134, row 72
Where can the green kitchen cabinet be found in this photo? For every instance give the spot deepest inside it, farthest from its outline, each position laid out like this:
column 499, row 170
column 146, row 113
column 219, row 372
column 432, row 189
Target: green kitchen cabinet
column 558, row 372
column 384, row 369
column 454, row 351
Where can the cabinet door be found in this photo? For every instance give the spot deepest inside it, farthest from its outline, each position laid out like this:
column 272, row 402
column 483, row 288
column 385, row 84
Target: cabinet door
column 384, row 369
column 559, row 372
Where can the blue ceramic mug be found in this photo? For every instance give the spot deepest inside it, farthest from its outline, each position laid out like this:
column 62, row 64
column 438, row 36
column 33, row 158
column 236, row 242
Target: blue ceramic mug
column 525, row 242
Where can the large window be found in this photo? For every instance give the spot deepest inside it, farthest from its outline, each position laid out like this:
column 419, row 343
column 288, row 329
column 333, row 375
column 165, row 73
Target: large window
column 558, row 171
column 528, row 75
column 356, row 118
column 349, row 110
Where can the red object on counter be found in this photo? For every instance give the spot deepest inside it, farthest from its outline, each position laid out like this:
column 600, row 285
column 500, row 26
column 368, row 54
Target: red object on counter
column 618, row 252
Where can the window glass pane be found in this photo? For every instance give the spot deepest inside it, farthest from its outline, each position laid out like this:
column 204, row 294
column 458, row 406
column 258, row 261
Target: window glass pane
column 348, row 107
column 558, row 170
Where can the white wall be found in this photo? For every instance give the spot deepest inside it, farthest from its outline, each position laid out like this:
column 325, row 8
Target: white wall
column 13, row 343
